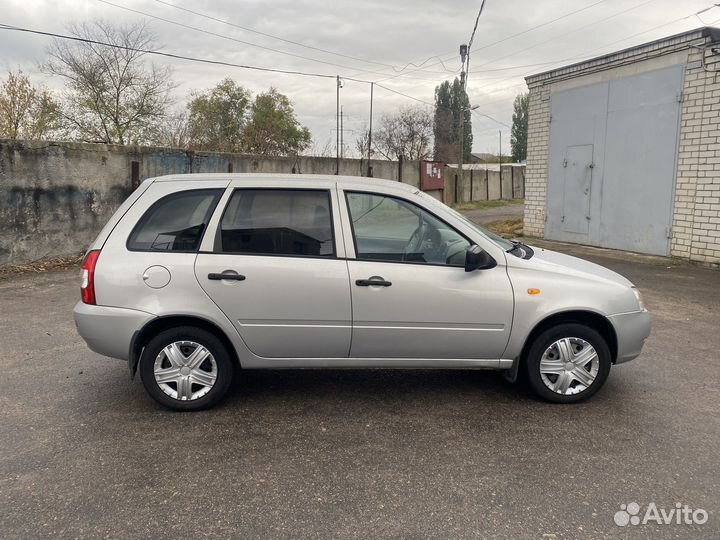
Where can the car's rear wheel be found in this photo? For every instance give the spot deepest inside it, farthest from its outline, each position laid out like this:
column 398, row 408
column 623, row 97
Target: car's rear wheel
column 568, row 363
column 186, row 369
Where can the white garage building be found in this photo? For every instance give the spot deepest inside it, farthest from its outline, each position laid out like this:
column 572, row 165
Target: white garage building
column 624, row 149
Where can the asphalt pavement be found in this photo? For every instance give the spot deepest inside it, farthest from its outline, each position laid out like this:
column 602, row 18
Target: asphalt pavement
column 84, row 453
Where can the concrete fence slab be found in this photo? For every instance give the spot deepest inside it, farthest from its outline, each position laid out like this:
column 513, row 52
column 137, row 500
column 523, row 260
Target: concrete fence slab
column 56, row 196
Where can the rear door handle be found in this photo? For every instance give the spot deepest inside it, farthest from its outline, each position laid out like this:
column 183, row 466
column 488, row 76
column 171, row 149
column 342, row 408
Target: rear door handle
column 374, row 281
column 234, row 277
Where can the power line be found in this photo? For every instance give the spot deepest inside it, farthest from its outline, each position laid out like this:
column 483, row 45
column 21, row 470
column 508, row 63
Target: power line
column 299, row 44
column 585, row 54
column 491, row 118
column 546, row 23
column 485, row 46
column 577, row 57
column 404, row 95
column 170, row 55
column 249, row 43
column 4, row 26
column 535, row 45
column 208, row 32
column 554, row 38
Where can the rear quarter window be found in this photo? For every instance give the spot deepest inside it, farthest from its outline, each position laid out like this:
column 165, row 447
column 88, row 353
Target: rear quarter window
column 176, row 222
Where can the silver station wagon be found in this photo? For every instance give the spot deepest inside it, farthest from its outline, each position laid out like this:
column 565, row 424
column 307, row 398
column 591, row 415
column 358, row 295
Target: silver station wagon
column 196, row 277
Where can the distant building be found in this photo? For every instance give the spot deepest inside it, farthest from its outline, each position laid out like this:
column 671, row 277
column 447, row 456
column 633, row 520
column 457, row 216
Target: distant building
column 624, row 149
column 483, row 157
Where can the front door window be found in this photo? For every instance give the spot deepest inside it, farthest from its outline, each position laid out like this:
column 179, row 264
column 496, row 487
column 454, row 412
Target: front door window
column 391, row 229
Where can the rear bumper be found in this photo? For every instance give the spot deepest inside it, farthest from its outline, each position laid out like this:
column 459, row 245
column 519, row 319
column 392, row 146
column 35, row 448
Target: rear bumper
column 631, row 329
column 109, row 330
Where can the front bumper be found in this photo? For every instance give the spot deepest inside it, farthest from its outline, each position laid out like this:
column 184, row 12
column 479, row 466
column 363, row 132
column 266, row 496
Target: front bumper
column 631, row 329
column 109, row 330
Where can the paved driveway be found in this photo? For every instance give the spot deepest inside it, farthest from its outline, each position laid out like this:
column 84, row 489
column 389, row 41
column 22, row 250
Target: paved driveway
column 352, row 454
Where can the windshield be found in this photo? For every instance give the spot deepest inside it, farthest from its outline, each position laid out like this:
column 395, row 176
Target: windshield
column 494, row 238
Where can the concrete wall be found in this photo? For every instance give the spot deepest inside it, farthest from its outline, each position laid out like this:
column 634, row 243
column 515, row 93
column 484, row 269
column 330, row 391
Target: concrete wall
column 482, row 182
column 696, row 214
column 493, row 185
column 56, row 196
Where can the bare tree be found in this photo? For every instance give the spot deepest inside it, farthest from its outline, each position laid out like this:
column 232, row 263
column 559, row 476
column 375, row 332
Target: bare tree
column 112, row 95
column 362, row 141
column 321, row 149
column 407, row 133
column 174, row 130
column 26, row 111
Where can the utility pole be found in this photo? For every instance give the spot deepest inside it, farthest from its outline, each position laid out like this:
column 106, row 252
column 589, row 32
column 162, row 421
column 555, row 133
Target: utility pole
column 369, row 167
column 337, row 126
column 500, row 140
column 461, row 120
column 342, row 138
column 464, row 74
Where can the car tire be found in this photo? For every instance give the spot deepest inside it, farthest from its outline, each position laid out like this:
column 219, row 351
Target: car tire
column 167, row 367
column 556, row 368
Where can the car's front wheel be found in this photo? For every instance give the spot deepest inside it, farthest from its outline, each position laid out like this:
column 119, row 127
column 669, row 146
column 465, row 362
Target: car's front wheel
column 568, row 363
column 186, row 369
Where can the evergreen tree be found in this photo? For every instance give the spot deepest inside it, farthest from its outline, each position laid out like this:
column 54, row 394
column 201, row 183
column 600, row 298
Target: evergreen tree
column 519, row 133
column 451, row 104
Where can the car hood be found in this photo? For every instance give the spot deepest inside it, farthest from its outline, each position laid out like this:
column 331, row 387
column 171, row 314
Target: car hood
column 565, row 264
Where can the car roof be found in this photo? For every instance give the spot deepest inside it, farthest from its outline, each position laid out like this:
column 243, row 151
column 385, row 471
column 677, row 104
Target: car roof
column 331, row 179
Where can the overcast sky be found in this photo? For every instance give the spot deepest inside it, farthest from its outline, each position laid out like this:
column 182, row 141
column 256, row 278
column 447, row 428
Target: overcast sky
column 381, row 36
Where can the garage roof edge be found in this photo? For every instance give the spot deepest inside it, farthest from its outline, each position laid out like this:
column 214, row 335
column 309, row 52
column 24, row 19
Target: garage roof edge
column 649, row 49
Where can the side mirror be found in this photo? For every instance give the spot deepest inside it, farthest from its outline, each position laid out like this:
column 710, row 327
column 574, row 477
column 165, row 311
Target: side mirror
column 477, row 258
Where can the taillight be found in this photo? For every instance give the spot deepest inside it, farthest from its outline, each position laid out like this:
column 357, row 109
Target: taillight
column 87, row 287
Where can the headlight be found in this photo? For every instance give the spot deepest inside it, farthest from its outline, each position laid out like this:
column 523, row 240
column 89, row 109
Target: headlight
column 639, row 299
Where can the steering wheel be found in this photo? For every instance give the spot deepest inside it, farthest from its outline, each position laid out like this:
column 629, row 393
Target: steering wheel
column 416, row 238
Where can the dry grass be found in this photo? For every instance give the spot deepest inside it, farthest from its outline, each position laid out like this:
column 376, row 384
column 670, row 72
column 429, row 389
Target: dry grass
column 481, row 205
column 42, row 265
column 508, row 228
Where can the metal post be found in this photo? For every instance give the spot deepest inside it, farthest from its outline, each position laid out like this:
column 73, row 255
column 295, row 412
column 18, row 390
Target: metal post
column 342, row 138
column 462, row 143
column 337, row 127
column 501, row 193
column 369, row 168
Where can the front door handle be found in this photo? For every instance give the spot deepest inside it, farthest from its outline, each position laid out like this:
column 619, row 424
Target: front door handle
column 374, row 281
column 234, row 277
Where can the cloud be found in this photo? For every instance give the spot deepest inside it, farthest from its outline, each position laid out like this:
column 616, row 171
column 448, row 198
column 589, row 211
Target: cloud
column 385, row 33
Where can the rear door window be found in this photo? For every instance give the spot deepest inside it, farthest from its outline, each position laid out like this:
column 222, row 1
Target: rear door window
column 175, row 222
column 286, row 222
